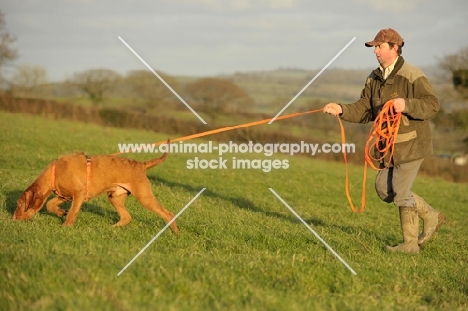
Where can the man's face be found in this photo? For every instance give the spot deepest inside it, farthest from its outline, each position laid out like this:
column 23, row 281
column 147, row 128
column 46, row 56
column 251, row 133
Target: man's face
column 385, row 55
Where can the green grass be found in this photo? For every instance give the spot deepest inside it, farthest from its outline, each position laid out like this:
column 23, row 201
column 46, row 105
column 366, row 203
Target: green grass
column 239, row 247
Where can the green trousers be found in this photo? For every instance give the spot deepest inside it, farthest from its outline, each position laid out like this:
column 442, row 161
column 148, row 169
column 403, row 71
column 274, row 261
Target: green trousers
column 394, row 184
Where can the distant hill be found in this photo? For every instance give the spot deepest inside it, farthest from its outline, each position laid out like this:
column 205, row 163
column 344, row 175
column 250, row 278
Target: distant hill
column 272, row 89
column 275, row 88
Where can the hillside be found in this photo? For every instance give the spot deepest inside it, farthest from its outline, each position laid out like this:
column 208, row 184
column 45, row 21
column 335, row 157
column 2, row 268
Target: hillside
column 239, row 247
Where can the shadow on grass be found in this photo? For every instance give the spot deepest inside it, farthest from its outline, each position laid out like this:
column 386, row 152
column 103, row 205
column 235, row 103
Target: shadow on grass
column 10, row 201
column 246, row 204
column 240, row 202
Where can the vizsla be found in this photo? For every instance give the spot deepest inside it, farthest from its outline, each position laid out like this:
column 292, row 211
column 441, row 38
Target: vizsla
column 77, row 177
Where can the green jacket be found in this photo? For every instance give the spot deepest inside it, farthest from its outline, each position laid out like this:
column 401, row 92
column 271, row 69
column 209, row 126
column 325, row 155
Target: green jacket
column 414, row 139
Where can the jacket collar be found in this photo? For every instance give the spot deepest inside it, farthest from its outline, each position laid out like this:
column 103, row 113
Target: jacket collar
column 377, row 72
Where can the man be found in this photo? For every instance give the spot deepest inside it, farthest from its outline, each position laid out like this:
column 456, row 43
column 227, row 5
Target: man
column 413, row 97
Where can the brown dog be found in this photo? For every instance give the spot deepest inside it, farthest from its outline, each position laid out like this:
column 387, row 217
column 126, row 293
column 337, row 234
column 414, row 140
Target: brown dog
column 77, row 177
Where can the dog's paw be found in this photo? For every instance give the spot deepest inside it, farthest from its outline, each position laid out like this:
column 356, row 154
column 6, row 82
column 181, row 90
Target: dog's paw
column 174, row 228
column 62, row 213
column 121, row 223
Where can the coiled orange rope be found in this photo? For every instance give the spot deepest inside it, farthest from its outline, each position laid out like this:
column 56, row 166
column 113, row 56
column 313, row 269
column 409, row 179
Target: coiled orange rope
column 382, row 137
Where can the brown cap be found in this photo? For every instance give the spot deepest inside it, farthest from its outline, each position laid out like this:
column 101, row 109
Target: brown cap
column 386, row 35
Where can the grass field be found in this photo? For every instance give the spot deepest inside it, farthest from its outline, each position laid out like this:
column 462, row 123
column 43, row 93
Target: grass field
column 239, row 247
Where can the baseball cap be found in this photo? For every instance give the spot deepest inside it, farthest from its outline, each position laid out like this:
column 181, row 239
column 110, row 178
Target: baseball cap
column 386, row 35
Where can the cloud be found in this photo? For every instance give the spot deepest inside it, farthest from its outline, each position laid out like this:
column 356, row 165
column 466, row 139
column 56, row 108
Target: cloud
column 395, row 6
column 279, row 4
column 238, row 5
column 205, row 37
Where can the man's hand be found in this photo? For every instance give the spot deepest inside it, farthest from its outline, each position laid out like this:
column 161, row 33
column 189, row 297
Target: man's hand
column 399, row 105
column 333, row 109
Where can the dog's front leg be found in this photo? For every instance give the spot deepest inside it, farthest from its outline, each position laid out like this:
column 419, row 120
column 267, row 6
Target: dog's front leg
column 53, row 206
column 75, row 208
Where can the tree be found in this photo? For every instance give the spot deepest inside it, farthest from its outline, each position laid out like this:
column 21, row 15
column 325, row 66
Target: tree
column 95, row 83
column 146, row 86
column 27, row 79
column 457, row 65
column 7, row 54
column 215, row 96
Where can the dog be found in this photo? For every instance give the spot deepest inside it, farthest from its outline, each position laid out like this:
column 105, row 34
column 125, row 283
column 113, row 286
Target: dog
column 77, row 178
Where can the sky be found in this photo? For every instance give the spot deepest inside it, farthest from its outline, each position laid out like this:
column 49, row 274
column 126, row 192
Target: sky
column 217, row 37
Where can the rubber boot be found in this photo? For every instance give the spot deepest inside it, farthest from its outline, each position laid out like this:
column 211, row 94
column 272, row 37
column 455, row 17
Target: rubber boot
column 410, row 228
column 431, row 218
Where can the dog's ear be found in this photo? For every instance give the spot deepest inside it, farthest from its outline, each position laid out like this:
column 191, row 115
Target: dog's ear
column 22, row 204
column 30, row 196
column 25, row 202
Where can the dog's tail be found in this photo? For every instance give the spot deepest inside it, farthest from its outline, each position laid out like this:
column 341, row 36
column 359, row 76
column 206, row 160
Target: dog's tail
column 151, row 163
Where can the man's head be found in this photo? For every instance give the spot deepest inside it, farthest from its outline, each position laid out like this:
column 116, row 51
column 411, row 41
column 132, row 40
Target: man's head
column 388, row 35
column 387, row 46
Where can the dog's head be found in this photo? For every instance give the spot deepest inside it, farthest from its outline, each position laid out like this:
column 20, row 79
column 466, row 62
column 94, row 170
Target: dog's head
column 26, row 205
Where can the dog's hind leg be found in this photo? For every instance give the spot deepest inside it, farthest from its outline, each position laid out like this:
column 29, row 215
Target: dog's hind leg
column 145, row 196
column 117, row 199
column 53, row 206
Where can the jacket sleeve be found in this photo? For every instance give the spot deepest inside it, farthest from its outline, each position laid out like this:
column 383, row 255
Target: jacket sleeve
column 424, row 103
column 360, row 111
